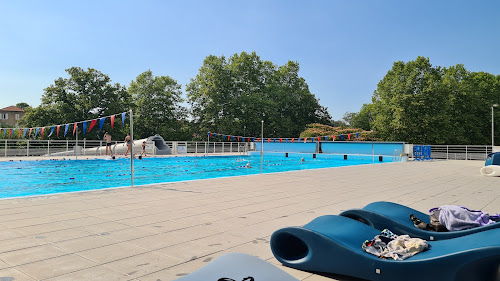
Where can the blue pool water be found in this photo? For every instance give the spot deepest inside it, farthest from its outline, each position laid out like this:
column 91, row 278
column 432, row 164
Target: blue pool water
column 24, row 178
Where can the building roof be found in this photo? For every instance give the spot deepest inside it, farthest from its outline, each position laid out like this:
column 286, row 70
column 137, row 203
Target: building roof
column 12, row 108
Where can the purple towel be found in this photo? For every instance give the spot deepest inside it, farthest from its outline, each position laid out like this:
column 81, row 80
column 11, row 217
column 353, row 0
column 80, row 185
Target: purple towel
column 459, row 218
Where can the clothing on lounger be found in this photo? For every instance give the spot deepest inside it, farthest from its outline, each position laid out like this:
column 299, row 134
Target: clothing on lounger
column 390, row 246
column 460, row 218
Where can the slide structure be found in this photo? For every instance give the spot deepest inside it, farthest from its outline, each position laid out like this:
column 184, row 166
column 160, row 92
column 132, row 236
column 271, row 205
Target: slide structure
column 238, row 267
column 332, row 244
column 396, row 217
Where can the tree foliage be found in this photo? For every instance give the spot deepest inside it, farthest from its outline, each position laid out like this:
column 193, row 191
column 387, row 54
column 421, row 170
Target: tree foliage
column 157, row 102
column 420, row 103
column 85, row 95
column 234, row 95
column 22, row 105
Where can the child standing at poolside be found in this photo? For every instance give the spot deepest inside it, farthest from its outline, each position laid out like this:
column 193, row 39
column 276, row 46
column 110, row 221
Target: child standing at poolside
column 128, row 141
column 107, row 138
column 143, row 148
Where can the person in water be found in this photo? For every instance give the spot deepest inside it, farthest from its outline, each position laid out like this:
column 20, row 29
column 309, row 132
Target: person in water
column 128, row 142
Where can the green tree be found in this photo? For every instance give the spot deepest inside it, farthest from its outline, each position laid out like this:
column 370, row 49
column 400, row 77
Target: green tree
column 234, row 95
column 360, row 119
column 410, row 104
column 22, row 105
column 158, row 110
column 85, row 95
column 419, row 103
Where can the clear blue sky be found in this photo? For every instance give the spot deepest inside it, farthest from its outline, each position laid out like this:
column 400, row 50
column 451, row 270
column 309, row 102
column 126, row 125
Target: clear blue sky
column 344, row 47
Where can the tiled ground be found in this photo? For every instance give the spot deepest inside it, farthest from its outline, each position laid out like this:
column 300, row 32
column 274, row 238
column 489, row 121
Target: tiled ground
column 162, row 232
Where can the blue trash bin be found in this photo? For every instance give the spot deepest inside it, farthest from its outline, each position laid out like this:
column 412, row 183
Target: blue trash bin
column 492, row 159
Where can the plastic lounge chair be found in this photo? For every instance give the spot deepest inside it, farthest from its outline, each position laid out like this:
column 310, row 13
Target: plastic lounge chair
column 238, row 267
column 396, row 217
column 332, row 244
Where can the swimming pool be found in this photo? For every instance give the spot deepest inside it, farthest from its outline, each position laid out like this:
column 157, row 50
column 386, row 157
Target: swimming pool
column 25, row 178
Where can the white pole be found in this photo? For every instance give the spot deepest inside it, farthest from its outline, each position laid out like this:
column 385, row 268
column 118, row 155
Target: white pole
column 76, row 145
column 261, row 146
column 208, row 144
column 373, row 154
column 492, row 128
column 131, row 148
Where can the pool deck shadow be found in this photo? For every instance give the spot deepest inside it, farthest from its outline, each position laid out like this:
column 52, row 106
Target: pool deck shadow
column 156, row 233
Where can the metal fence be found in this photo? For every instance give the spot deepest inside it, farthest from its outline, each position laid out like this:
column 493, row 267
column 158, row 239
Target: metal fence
column 24, row 147
column 460, row 152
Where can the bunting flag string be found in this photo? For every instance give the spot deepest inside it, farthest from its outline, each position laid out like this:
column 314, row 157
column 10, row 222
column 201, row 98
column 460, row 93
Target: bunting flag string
column 93, row 122
column 349, row 136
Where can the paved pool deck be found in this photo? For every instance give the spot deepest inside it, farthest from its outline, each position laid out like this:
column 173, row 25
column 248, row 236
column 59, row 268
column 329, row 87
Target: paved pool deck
column 165, row 231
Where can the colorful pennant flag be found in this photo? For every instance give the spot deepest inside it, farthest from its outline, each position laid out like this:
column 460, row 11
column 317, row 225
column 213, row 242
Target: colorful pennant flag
column 92, row 124
column 342, row 137
column 24, row 135
column 10, row 132
column 357, row 135
column 29, row 135
column 84, row 127
column 349, row 136
column 43, row 130
column 58, row 127
column 66, row 129
column 74, row 128
column 51, row 131
column 293, row 140
column 101, row 122
column 36, row 132
column 112, row 121
column 123, row 118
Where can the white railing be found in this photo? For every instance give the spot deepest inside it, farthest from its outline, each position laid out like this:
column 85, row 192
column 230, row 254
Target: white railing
column 24, row 147
column 460, row 152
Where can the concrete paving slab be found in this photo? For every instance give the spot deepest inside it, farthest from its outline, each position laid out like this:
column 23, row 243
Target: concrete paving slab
column 164, row 231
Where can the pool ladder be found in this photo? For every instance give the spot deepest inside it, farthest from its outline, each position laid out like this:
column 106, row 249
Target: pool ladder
column 397, row 156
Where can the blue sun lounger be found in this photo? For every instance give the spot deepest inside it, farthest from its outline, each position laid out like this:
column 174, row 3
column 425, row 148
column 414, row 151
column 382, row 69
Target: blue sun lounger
column 396, row 217
column 332, row 244
column 238, row 267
